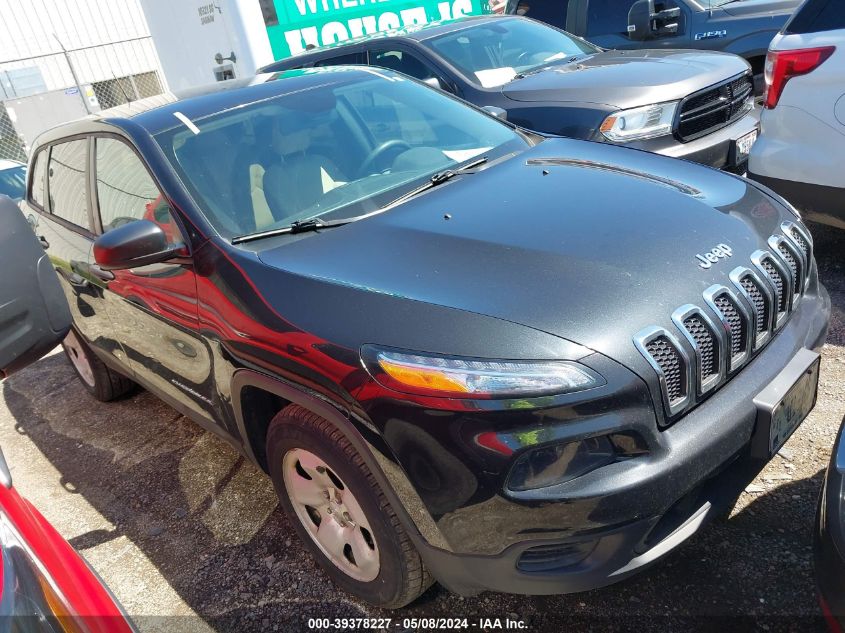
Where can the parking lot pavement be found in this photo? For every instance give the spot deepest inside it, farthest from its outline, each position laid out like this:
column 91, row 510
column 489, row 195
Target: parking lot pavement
column 189, row 538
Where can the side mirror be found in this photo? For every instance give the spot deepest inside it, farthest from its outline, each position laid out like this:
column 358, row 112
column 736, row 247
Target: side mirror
column 645, row 22
column 34, row 313
column 639, row 20
column 135, row 244
column 499, row 113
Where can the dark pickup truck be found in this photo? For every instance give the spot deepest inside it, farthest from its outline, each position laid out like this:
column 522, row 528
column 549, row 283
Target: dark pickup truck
column 743, row 27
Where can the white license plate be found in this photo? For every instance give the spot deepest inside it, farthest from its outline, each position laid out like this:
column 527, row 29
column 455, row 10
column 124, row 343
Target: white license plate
column 744, row 144
column 793, row 408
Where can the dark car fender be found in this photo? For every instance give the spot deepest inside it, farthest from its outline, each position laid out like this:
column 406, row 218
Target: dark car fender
column 376, row 454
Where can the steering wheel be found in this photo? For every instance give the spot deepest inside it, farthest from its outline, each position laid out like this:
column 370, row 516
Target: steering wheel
column 377, row 153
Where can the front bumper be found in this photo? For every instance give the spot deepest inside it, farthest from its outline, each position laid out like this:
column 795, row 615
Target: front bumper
column 829, row 540
column 713, row 150
column 614, row 521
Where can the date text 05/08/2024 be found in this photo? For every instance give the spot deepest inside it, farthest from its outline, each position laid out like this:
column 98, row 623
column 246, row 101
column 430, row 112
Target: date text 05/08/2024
column 415, row 624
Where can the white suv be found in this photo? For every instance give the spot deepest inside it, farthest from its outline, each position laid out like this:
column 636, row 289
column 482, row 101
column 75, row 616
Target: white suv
column 801, row 150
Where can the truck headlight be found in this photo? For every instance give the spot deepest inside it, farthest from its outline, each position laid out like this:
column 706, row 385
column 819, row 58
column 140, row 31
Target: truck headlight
column 638, row 124
column 455, row 377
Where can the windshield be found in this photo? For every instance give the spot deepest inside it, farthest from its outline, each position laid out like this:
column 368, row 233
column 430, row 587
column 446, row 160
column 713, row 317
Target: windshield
column 492, row 53
column 13, row 182
column 331, row 152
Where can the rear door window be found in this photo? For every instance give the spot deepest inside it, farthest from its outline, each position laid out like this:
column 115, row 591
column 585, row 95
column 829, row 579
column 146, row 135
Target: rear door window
column 66, row 182
column 126, row 192
column 402, row 62
column 39, row 164
column 815, row 16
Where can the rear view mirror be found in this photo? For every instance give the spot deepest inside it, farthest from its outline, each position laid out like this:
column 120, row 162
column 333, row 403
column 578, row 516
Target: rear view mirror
column 34, row 314
column 434, row 82
column 135, row 244
column 499, row 113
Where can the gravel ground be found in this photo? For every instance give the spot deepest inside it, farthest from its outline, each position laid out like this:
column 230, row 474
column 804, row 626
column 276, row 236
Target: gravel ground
column 188, row 536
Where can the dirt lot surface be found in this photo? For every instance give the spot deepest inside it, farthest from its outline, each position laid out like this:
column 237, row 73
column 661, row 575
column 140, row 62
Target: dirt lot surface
column 188, row 536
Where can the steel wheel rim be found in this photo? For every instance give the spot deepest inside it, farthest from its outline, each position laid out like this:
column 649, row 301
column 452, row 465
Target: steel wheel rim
column 330, row 514
column 79, row 359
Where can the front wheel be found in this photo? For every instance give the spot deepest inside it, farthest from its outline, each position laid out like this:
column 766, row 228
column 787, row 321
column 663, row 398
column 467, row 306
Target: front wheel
column 340, row 512
column 100, row 381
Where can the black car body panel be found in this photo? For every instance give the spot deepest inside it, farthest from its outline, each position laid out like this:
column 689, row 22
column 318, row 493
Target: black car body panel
column 829, row 534
column 569, row 97
column 563, row 251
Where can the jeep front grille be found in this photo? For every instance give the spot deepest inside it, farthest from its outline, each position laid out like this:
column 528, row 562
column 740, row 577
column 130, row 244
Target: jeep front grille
column 746, row 314
column 714, row 108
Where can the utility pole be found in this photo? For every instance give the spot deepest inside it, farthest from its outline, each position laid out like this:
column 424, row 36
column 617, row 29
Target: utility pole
column 73, row 74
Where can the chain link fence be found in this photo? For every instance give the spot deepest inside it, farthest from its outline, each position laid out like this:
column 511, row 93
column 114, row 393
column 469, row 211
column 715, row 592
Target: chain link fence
column 120, row 90
column 40, row 92
column 11, row 144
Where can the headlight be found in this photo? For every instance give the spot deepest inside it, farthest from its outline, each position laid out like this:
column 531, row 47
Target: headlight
column 453, row 377
column 642, row 123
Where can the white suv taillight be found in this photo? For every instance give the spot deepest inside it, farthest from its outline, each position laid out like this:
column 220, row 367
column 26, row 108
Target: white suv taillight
column 781, row 66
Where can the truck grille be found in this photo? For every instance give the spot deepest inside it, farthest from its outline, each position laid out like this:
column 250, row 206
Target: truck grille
column 714, row 108
column 749, row 314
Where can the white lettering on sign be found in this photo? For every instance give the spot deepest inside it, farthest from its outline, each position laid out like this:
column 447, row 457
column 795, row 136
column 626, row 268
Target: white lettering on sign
column 341, row 30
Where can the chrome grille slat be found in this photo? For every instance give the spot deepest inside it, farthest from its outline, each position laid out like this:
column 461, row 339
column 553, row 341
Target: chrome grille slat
column 708, row 346
column 671, row 363
column 669, row 359
column 777, row 278
column 736, row 322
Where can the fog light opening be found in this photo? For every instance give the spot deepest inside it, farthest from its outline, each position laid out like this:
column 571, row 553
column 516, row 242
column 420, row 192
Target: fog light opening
column 551, row 465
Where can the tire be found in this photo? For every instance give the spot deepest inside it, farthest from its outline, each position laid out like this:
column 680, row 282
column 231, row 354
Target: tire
column 100, row 381
column 299, row 443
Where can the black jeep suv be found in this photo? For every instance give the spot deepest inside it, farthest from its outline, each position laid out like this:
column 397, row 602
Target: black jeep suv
column 462, row 353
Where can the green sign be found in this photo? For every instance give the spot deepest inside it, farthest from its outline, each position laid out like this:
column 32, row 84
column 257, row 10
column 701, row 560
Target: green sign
column 297, row 24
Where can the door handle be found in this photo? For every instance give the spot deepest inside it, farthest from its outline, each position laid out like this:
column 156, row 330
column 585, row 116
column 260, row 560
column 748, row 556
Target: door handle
column 44, row 243
column 77, row 281
column 99, row 273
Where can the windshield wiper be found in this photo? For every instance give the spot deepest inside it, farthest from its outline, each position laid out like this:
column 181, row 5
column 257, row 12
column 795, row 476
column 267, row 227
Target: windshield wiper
column 316, row 224
column 563, row 61
column 436, row 179
column 300, row 226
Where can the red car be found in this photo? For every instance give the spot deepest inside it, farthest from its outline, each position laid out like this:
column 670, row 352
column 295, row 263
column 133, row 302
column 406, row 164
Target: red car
column 46, row 585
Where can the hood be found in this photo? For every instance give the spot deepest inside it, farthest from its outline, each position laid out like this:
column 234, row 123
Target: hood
column 760, row 8
column 577, row 239
column 625, row 79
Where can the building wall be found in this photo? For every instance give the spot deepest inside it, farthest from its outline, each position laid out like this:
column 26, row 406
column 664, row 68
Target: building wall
column 188, row 34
